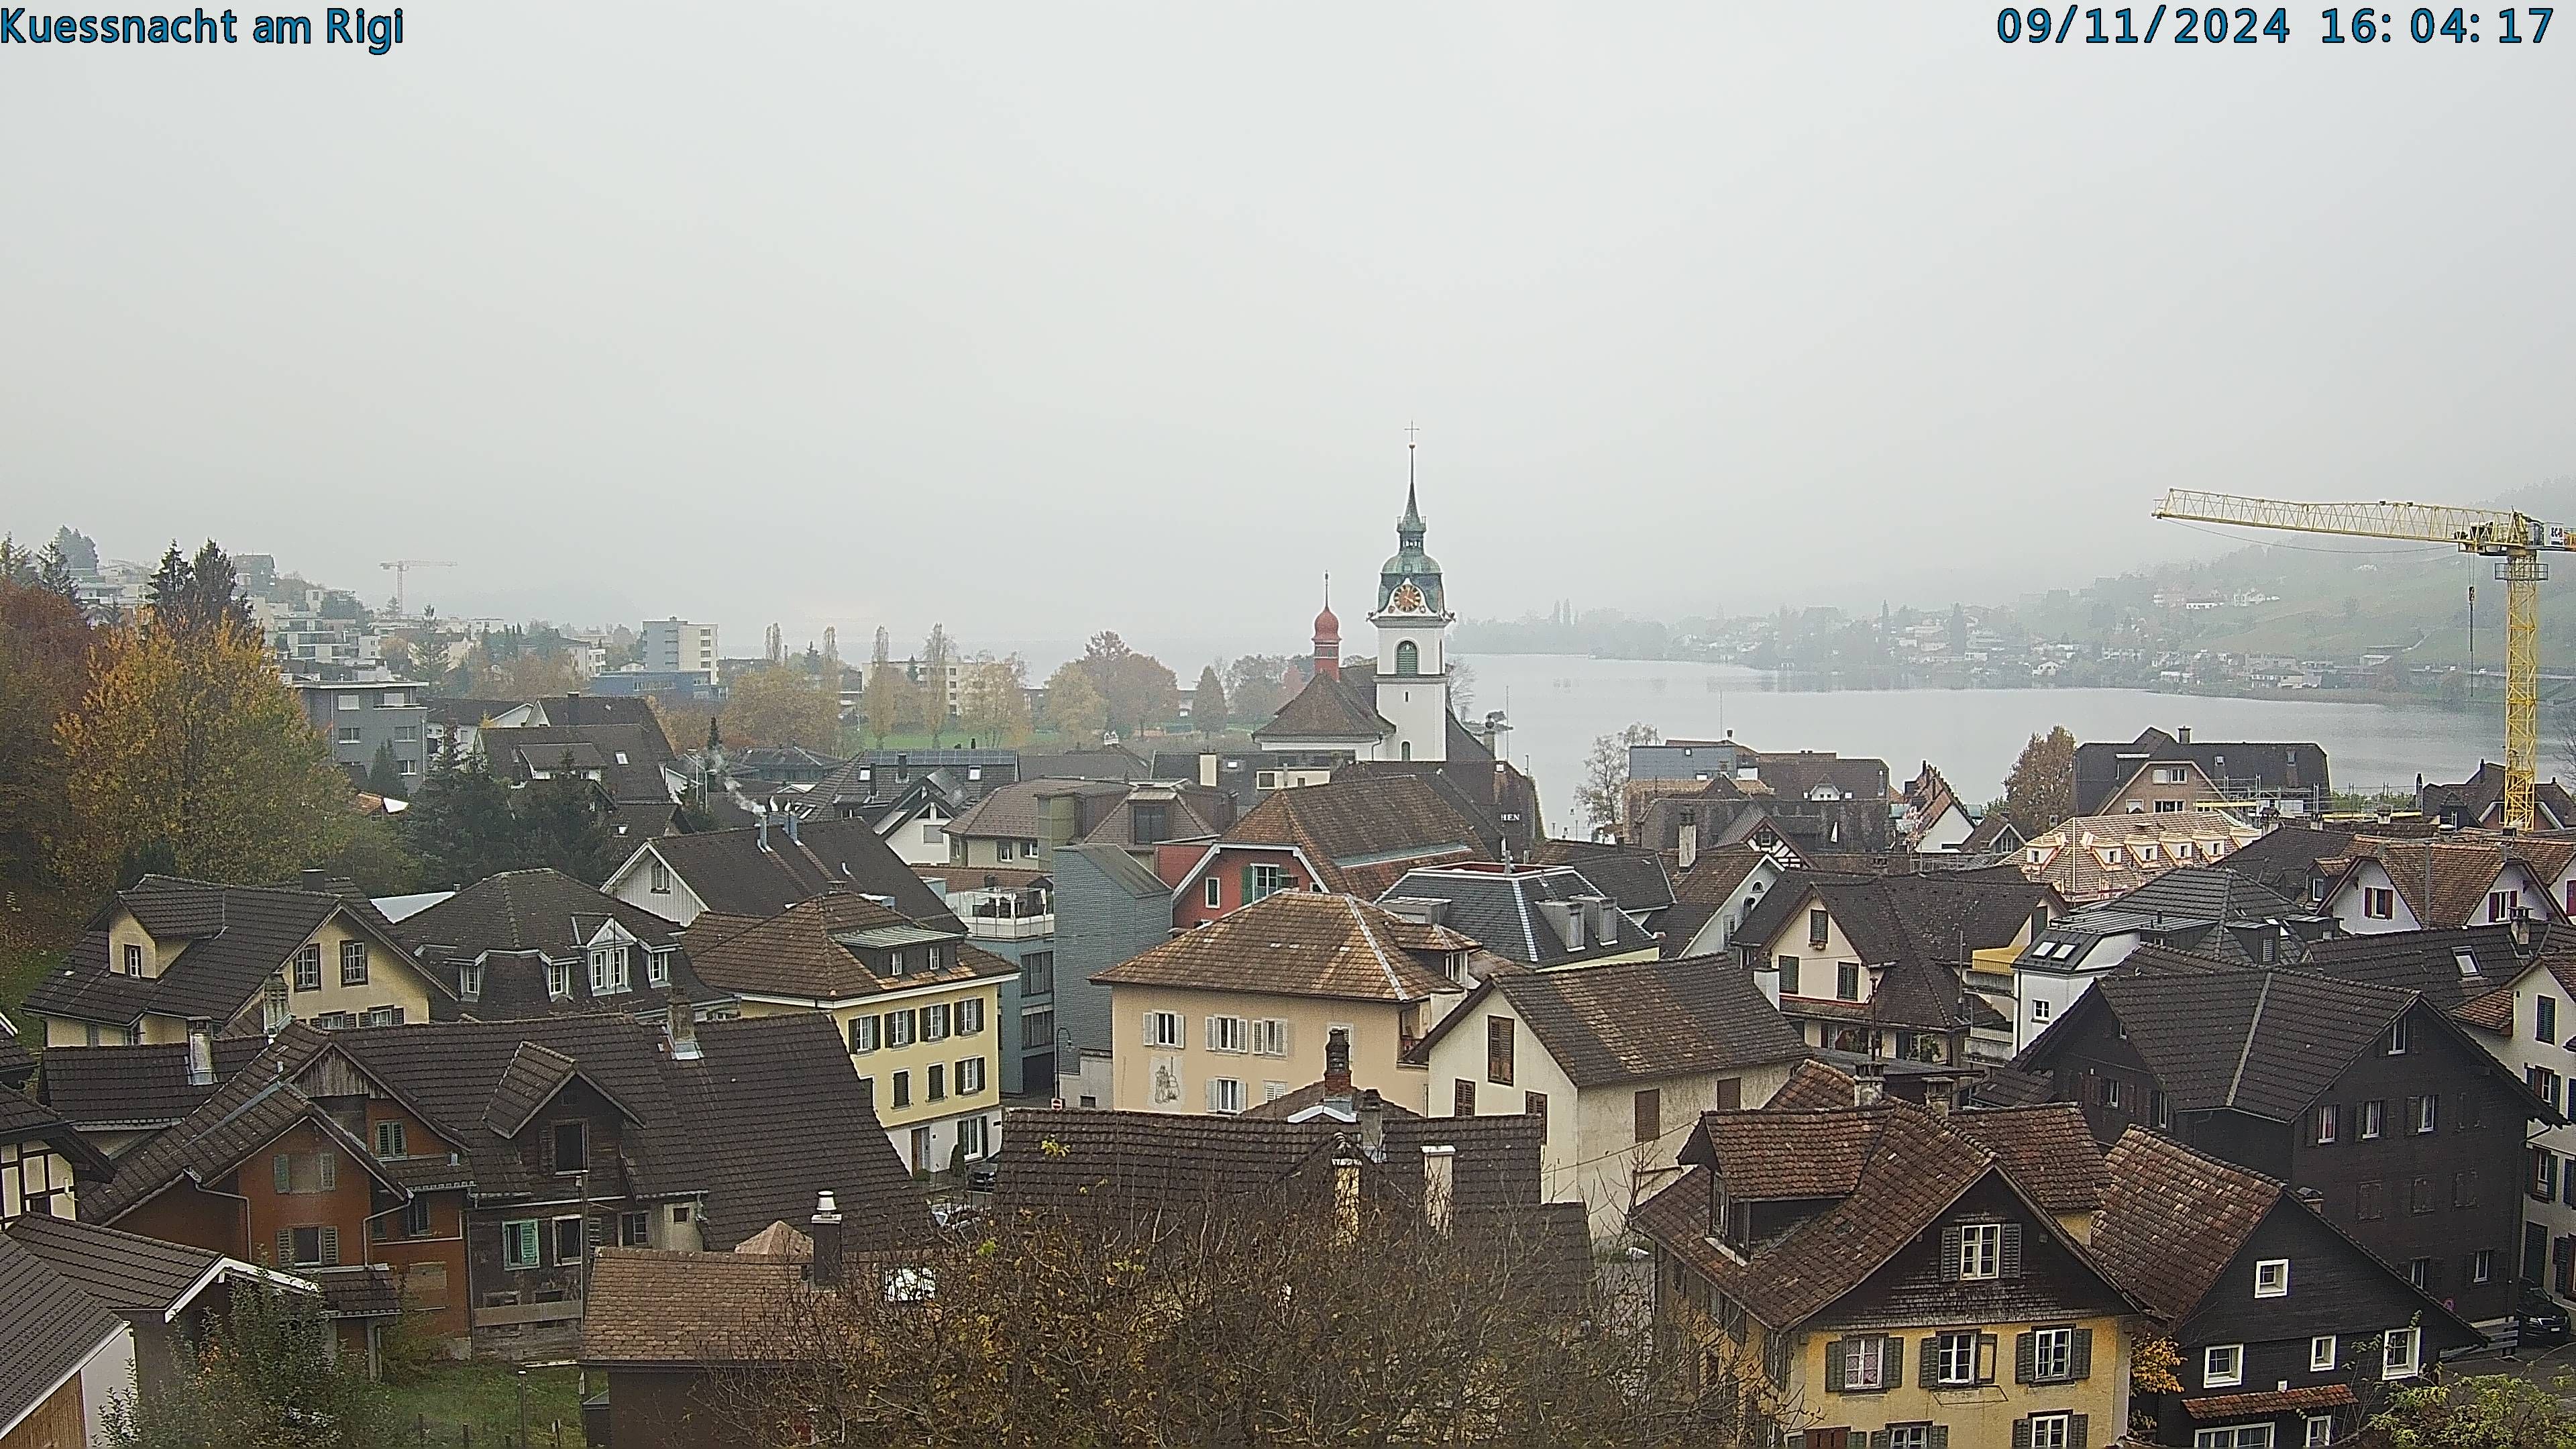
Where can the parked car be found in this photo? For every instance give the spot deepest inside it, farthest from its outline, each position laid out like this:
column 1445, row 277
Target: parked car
column 2540, row 1322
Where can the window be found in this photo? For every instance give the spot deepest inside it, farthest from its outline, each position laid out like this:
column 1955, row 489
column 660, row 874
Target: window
column 1162, row 1028
column 558, row 979
column 863, row 1034
column 2427, row 1111
column 634, row 1230
column 1910, row 1436
column 316, row 1247
column 1037, row 974
column 2399, row 1356
column 2321, row 1354
column 519, row 1244
column 903, row 1089
column 572, row 1146
column 1864, row 1362
column 1847, row 981
column 2239, row 1436
column 469, row 982
column 2272, row 1278
column 1037, row 1030
column 2482, row 1266
column 1954, row 1358
column 1462, row 1097
column 1535, row 1104
column 2052, row 1431
column 1650, row 1114
column 973, row 1136
column 352, row 734
column 868, row 1093
column 2039, row 1009
column 2106, row 1091
column 1229, row 1034
column 970, row 1016
column 2159, row 1111
column 2499, row 906
column 308, row 966
column 2544, row 1015
column 894, row 963
column 353, row 701
column 1981, row 1247
column 133, row 959
column 353, row 963
column 970, row 1076
column 2379, row 903
column 607, row 970
column 2329, row 1122
column 2544, row 1174
column 2464, row 1188
column 657, row 967
column 1225, row 1094
column 1819, row 927
column 2370, row 1202
column 934, row 1021
column 1788, row 976
column 568, row 1244
column 898, row 1029
column 2419, row 1271
column 1270, row 1037
column 1498, row 1050
column 2222, row 1365
column 389, row 1139
column 415, row 1218
column 2316, row 1431
column 2052, row 1355
column 1215, row 893
column 2394, row 1044
column 938, row 1083
column 2374, row 1119
column 1260, row 881
column 2420, row 1195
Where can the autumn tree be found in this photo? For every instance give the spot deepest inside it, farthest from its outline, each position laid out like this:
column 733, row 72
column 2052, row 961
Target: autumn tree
column 880, row 705
column 191, row 741
column 1207, row 704
column 993, row 701
column 1255, row 686
column 938, row 652
column 2040, row 791
column 44, row 668
column 263, row 1375
column 1074, row 706
column 776, row 705
column 1602, row 797
column 466, row 824
column 1136, row 689
column 2480, row 1411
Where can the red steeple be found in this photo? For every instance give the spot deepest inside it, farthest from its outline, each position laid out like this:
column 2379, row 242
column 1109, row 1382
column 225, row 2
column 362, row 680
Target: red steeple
column 1328, row 636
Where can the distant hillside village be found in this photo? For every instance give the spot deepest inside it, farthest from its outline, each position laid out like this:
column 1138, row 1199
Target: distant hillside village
column 610, row 1009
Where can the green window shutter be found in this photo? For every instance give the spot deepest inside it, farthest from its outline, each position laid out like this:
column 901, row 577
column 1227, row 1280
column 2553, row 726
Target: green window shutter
column 330, row 1247
column 1834, row 1367
column 2083, row 1356
column 1940, row 1436
column 2077, row 1427
column 2021, row 1434
column 1245, row 897
column 1892, row 1356
column 2011, row 1263
column 285, row 1249
column 1986, row 1357
column 282, row 1171
column 1878, row 1439
column 1950, row 1239
column 2025, row 1357
column 1930, row 1368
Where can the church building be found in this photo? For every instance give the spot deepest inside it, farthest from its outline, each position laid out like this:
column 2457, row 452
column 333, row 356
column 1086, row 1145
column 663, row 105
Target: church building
column 1400, row 711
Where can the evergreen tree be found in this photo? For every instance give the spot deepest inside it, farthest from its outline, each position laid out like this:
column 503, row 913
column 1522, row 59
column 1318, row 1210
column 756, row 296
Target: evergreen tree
column 2040, row 791
column 384, row 775
column 1207, row 704
column 460, row 826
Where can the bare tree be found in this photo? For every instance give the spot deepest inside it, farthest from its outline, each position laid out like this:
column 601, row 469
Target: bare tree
column 1602, row 794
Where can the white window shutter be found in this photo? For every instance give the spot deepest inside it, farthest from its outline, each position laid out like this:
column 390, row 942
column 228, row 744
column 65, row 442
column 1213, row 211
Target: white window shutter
column 1211, row 1094
column 1149, row 1029
column 1287, row 1038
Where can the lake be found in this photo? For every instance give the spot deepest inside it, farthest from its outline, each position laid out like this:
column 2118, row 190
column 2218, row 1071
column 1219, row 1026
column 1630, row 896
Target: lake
column 1559, row 704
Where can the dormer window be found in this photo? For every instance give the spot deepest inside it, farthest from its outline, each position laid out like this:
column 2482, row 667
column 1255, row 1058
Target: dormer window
column 894, row 963
column 558, row 980
column 469, row 982
column 133, row 959
column 608, row 971
column 657, row 967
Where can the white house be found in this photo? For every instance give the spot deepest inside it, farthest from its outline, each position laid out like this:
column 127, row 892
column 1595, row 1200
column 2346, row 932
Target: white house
column 2529, row 1024
column 2418, row 885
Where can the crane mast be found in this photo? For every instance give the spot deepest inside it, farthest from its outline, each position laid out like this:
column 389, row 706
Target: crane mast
column 2514, row 540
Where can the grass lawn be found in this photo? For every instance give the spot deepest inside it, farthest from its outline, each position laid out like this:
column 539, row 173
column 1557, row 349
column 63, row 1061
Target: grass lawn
column 484, row 1397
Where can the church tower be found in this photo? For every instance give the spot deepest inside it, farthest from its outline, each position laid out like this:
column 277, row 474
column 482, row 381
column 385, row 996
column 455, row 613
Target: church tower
column 1412, row 619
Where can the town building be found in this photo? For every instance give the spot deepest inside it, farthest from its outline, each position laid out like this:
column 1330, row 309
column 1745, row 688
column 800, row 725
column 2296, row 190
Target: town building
column 1616, row 1060
column 1349, row 837
column 2095, row 857
column 1931, row 818
column 1109, row 909
column 1011, row 913
column 1238, row 1012
column 1021, row 824
column 1401, row 711
column 2477, row 803
column 528, row 943
column 1714, row 893
column 2212, row 911
column 358, row 720
column 2159, row 772
column 675, row 646
column 2444, row 884
column 1532, row 915
column 763, row 868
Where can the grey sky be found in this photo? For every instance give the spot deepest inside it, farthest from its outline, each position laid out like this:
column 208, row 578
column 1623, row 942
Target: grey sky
column 1040, row 318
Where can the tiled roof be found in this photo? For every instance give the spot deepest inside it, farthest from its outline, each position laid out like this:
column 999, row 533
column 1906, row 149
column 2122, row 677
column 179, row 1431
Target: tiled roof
column 51, row 1327
column 237, row 938
column 1633, row 876
column 1316, row 1094
column 358, row 1290
column 1297, row 943
column 248, row 1112
column 534, row 1074
column 2046, row 1149
column 1703, row 890
column 1996, row 831
column 647, row 1306
column 628, row 758
column 1326, row 709
column 2263, row 1042
column 2102, row 768
column 2208, row 893
column 1016, row 811
column 2479, row 800
column 1812, row 1087
column 516, row 921
column 780, row 1239
column 128, row 1272
column 1943, row 917
column 2096, row 857
column 1500, row 906
column 2282, row 859
column 98, row 1088
column 2459, row 871
column 2430, row 961
column 1631, row 1020
column 807, row 951
column 1111, row 762
column 2173, row 1219
column 730, row 870
column 2276, row 1401
column 16, row 1062
column 1361, row 834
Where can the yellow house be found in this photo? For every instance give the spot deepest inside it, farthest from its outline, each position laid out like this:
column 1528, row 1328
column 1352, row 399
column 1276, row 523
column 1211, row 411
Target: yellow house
column 918, row 1008
column 232, row 960
column 1884, row 1275
column 1237, row 1012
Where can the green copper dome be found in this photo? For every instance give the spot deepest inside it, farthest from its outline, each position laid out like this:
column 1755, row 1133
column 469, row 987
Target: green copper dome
column 1409, row 564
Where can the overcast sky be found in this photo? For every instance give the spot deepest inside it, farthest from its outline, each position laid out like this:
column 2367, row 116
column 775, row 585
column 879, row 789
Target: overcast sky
column 1039, row 318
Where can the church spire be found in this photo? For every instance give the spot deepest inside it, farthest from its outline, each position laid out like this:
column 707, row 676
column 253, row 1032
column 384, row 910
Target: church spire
column 1409, row 529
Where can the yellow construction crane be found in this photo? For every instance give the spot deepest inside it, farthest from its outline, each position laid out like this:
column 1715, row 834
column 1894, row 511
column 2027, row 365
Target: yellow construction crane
column 402, row 568
column 2514, row 540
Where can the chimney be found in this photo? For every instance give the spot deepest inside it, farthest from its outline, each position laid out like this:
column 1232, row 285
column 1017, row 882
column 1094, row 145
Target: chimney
column 683, row 1028
column 317, row 881
column 201, row 1053
column 1690, row 843
column 787, row 822
column 760, row 832
column 1869, row 1084
column 1439, row 1185
column 1337, row 1064
column 825, row 1229
column 1372, row 1116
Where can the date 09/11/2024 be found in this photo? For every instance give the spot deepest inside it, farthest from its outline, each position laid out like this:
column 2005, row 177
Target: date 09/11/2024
column 2218, row 25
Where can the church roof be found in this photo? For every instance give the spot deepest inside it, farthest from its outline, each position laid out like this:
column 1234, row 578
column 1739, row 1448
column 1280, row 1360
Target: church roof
column 1327, row 708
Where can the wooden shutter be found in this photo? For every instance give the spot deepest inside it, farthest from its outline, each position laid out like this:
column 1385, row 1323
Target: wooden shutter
column 1730, row 1093
column 1211, row 1094
column 330, row 1246
column 1986, row 1357
column 1950, row 1240
column 2025, row 1357
column 1244, row 898
column 2081, row 1361
column 282, row 1173
column 1878, row 1439
column 1650, row 1114
column 1940, row 1436
column 2021, row 1434
column 1928, row 1372
column 1211, row 1032
column 1834, row 1366
column 1149, row 1029
column 1891, row 1359
column 285, row 1249
column 2011, row 1260
column 326, row 1167
column 2077, row 1429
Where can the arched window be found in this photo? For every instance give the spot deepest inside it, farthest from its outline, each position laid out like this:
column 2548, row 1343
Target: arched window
column 1408, row 744
column 1408, row 658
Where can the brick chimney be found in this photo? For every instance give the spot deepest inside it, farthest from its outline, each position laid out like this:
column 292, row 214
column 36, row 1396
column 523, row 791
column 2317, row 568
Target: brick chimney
column 683, row 1028
column 825, row 1229
column 1337, row 1069
column 1372, row 1118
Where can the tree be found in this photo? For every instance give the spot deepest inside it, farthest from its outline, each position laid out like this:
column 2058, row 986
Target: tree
column 45, row 648
column 1074, row 707
column 1207, row 704
column 1462, row 687
column 2483, row 1411
column 193, row 597
column 879, row 706
column 2040, row 791
column 993, row 701
column 563, row 825
column 264, row 1376
column 1136, row 689
column 1602, row 797
column 192, row 741
column 78, row 551
column 1255, row 687
column 775, row 705
column 384, row 775
column 466, row 823
column 938, row 652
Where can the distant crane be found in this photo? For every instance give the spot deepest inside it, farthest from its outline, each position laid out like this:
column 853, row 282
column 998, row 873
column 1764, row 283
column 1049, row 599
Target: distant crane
column 402, row 568
column 2514, row 540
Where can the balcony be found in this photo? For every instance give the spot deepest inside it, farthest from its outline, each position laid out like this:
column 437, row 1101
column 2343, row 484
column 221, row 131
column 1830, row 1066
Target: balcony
column 1010, row 928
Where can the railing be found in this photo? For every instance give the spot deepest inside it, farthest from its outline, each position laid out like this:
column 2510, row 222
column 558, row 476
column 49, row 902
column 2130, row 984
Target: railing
column 1011, row 928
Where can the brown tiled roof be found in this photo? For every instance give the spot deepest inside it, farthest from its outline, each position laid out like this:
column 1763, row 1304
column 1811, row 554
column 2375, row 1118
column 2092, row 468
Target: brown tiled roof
column 1295, row 943
column 532, row 1078
column 2047, row 1150
column 801, row 951
column 358, row 1291
column 2172, row 1220
column 1812, row 1087
column 647, row 1306
column 1701, row 891
column 780, row 1239
column 730, row 870
column 2491, row 1012
column 51, row 1327
column 248, row 1112
column 2461, row 871
column 98, row 1088
column 1326, row 709
column 1906, row 924
column 1313, row 1094
column 1361, row 834
column 2075, row 866
column 1630, row 1020
column 2277, row 1401
column 1013, row 811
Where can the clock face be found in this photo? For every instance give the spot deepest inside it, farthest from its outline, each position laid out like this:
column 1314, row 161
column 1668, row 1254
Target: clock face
column 1408, row 599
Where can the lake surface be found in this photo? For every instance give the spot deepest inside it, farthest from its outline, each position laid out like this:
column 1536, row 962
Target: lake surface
column 1559, row 704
